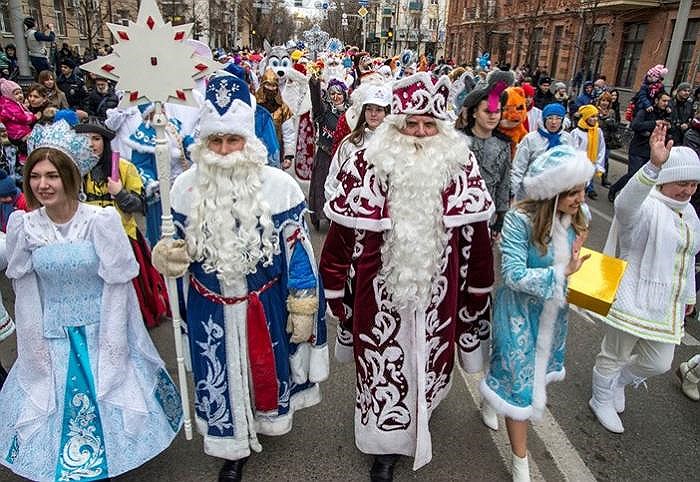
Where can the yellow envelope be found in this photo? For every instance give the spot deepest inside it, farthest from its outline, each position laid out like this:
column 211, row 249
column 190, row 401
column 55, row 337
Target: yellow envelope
column 594, row 286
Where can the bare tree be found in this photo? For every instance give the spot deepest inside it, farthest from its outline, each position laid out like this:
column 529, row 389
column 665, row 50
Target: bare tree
column 88, row 19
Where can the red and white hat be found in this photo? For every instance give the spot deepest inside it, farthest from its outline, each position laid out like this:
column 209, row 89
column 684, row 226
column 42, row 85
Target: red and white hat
column 421, row 94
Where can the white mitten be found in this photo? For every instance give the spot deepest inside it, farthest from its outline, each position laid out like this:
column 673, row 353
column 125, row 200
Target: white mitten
column 301, row 317
column 170, row 257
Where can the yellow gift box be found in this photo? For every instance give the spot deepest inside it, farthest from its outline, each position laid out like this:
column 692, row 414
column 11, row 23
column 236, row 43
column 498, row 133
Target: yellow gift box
column 593, row 287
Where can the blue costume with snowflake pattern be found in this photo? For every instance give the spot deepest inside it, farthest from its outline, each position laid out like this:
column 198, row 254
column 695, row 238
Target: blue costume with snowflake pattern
column 88, row 397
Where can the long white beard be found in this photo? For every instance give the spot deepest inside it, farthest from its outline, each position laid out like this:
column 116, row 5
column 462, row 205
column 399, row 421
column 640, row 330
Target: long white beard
column 230, row 228
column 416, row 171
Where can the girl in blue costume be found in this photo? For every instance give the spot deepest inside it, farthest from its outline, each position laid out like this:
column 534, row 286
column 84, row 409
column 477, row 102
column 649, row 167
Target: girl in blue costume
column 540, row 244
column 88, row 397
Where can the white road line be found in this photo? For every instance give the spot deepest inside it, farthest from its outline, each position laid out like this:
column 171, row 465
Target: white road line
column 548, row 430
column 607, row 217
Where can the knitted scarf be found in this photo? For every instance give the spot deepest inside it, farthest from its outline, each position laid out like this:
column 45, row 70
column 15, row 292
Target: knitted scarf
column 553, row 138
column 592, row 131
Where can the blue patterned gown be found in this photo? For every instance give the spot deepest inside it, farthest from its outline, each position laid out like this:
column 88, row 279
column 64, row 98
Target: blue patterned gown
column 223, row 351
column 529, row 320
column 88, row 397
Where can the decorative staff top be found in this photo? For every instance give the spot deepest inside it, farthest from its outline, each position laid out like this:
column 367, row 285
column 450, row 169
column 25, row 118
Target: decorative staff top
column 316, row 39
column 151, row 62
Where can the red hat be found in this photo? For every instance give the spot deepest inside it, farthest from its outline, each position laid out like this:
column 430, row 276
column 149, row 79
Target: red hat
column 529, row 90
column 421, row 94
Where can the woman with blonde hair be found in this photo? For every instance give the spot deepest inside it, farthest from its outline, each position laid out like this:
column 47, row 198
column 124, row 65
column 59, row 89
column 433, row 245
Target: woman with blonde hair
column 540, row 244
column 55, row 95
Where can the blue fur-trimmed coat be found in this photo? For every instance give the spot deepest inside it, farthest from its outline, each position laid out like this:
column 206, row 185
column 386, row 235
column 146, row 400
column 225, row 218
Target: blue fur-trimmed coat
column 224, row 412
column 529, row 323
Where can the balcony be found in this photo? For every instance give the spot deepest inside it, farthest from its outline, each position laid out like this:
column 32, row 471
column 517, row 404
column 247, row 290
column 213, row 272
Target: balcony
column 618, row 4
column 415, row 6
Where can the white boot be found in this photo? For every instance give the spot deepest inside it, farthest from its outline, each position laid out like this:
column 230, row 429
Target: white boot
column 602, row 402
column 521, row 469
column 489, row 415
column 689, row 373
column 626, row 377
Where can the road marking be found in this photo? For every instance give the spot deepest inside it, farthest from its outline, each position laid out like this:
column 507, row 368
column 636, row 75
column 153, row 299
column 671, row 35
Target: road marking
column 607, row 217
column 563, row 453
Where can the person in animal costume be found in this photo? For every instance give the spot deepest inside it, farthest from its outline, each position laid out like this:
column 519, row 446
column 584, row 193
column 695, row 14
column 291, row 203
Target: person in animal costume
column 269, row 96
column 514, row 114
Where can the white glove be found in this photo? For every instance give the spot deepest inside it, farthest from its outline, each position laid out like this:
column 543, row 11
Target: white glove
column 170, row 257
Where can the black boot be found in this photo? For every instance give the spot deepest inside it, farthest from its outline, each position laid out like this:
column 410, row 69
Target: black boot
column 232, row 470
column 383, row 468
column 3, row 376
column 604, row 181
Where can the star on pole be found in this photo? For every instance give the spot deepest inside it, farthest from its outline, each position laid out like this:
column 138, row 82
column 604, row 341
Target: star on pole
column 151, row 61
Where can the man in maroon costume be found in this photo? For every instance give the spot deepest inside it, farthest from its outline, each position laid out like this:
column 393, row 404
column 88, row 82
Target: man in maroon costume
column 409, row 235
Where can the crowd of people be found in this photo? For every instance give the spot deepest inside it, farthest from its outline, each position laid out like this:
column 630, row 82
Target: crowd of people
column 432, row 181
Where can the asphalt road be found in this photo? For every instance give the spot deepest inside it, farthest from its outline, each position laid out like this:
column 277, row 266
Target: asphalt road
column 661, row 441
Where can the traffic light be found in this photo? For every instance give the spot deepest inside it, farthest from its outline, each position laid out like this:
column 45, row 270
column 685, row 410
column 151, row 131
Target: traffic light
column 390, row 34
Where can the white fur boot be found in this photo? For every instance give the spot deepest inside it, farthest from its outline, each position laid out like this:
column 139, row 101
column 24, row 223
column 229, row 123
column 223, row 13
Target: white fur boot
column 602, row 402
column 521, row 469
column 489, row 415
column 689, row 373
column 626, row 377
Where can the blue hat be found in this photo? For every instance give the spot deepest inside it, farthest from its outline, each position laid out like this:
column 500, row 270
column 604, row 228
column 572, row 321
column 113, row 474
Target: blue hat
column 228, row 107
column 7, row 185
column 553, row 109
column 555, row 171
column 67, row 115
column 61, row 136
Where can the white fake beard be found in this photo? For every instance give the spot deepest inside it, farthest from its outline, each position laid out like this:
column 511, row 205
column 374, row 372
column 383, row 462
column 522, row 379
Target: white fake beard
column 416, row 170
column 230, row 229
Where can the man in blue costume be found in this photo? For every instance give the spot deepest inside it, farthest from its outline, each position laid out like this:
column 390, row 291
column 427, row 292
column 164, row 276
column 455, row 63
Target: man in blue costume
column 255, row 310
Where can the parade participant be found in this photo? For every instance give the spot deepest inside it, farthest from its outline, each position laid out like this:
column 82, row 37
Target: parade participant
column 540, row 245
column 7, row 326
column 419, row 296
column 656, row 230
column 143, row 147
column 268, row 95
column 479, row 118
column 55, row 95
column 88, row 393
column 514, row 115
column 534, row 113
column 255, row 315
column 325, row 111
column 589, row 138
column 609, row 126
column 689, row 375
column 374, row 102
column 125, row 194
column 533, row 145
column 38, row 44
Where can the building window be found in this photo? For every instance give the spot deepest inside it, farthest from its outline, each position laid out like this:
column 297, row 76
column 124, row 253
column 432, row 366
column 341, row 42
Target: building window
column 432, row 24
column 123, row 17
column 415, row 22
column 632, row 41
column 598, row 42
column 687, row 47
column 35, row 13
column 60, row 13
column 535, row 46
column 5, row 25
column 518, row 46
column 556, row 48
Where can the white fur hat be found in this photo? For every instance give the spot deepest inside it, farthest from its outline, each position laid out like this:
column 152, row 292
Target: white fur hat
column 555, row 171
column 228, row 107
column 682, row 165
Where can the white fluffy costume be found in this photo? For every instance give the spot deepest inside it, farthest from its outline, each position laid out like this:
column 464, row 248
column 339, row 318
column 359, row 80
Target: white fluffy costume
column 252, row 270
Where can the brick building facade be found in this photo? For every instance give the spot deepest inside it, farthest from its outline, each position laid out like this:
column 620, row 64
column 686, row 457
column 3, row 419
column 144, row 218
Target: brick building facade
column 620, row 39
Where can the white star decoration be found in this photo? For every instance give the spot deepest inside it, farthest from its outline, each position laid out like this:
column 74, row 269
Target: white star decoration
column 151, row 62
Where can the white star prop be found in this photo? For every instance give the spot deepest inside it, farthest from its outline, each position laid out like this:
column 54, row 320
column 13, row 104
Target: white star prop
column 151, row 62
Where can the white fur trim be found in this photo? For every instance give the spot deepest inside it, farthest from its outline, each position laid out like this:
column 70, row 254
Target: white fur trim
column 280, row 425
column 333, row 294
column 375, row 225
column 319, row 364
column 343, row 353
column 472, row 361
column 549, row 183
column 299, row 364
column 549, row 315
column 479, row 291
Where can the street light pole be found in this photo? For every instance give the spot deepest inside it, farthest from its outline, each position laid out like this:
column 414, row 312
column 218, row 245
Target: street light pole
column 674, row 50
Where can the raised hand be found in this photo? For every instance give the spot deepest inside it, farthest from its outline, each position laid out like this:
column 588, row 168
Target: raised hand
column 576, row 259
column 660, row 149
